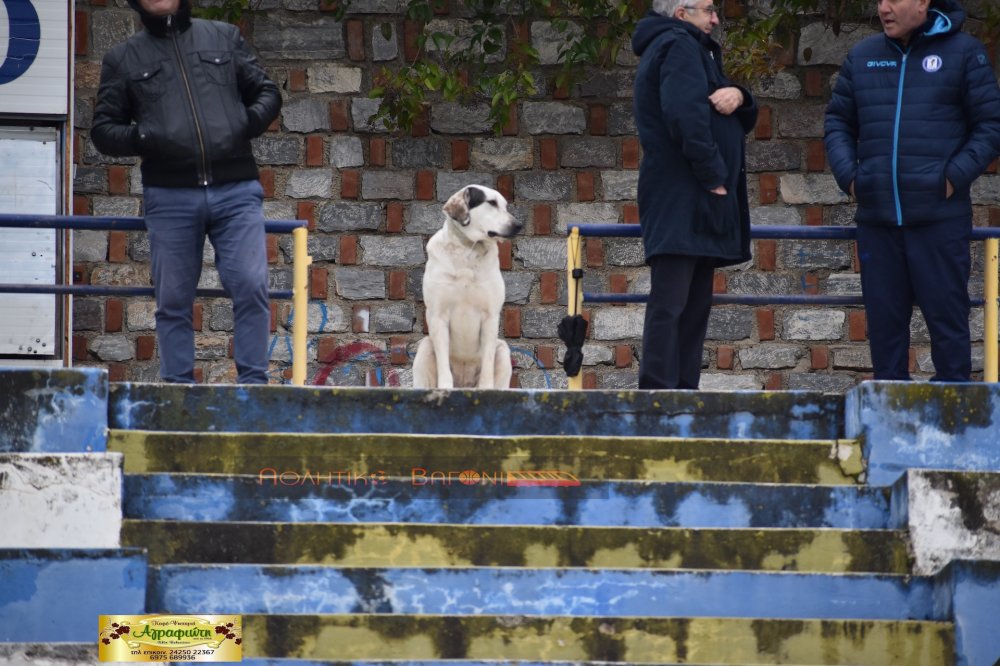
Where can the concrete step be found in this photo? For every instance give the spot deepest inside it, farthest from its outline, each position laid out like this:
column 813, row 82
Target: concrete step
column 255, row 589
column 742, row 414
column 53, row 410
column 921, row 425
column 60, row 500
column 49, row 595
column 49, row 654
column 635, row 640
column 420, row 545
column 52, row 655
column 80, row 654
column 968, row 592
column 216, row 498
column 272, row 454
column 457, row 662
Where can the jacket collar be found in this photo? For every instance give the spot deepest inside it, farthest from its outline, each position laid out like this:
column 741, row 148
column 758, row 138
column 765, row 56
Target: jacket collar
column 941, row 20
column 703, row 38
column 162, row 25
column 653, row 27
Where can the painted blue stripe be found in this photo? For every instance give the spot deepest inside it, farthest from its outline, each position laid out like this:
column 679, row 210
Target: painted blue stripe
column 56, row 595
column 634, row 504
column 253, row 589
column 895, row 141
column 248, row 408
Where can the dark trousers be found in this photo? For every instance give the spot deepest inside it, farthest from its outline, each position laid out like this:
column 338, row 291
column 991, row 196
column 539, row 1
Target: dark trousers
column 232, row 216
column 680, row 299
column 928, row 266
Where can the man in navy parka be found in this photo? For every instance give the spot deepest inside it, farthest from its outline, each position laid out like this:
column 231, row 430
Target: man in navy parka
column 692, row 193
column 913, row 121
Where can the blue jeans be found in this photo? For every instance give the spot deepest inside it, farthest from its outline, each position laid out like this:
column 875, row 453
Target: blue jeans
column 232, row 216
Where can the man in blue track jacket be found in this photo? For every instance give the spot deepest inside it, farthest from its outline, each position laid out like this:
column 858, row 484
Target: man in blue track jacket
column 913, row 121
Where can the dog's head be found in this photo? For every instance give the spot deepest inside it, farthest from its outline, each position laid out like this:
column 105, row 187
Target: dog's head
column 481, row 213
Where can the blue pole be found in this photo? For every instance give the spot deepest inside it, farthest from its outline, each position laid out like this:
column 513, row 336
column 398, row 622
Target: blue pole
column 113, row 223
column 105, row 290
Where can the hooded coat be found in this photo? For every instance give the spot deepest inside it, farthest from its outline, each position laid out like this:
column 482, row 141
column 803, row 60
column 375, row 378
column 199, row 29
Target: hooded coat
column 688, row 147
column 186, row 95
column 902, row 119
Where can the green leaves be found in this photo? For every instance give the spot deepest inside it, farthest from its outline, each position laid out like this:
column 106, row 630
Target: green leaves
column 489, row 56
column 230, row 11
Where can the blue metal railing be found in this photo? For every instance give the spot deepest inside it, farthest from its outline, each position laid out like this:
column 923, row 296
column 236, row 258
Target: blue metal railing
column 760, row 232
column 991, row 279
column 757, row 232
column 87, row 223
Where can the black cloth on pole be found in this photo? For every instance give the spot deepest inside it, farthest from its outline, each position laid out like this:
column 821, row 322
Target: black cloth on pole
column 573, row 331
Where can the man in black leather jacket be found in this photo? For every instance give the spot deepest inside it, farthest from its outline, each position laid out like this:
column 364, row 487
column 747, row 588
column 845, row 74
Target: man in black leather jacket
column 187, row 95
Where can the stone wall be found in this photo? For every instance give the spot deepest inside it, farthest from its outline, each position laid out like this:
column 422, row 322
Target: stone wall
column 373, row 198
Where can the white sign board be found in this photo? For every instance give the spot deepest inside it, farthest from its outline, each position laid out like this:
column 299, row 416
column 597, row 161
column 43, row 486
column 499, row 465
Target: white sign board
column 34, row 57
column 29, row 183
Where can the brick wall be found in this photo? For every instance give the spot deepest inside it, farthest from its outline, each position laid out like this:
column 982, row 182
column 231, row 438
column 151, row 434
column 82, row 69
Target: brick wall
column 372, row 199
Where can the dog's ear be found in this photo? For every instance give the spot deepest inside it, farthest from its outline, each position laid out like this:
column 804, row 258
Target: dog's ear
column 457, row 207
column 474, row 196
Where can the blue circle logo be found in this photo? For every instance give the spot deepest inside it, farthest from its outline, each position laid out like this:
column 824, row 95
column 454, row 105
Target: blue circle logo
column 932, row 63
column 25, row 37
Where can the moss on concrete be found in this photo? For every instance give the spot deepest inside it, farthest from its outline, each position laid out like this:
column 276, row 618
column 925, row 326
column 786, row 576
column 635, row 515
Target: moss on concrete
column 626, row 640
column 831, row 462
column 974, row 492
column 952, row 408
column 422, row 545
column 771, row 636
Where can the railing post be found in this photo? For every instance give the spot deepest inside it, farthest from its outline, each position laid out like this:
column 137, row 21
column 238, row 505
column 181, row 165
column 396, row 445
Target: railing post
column 990, row 309
column 300, row 304
column 574, row 292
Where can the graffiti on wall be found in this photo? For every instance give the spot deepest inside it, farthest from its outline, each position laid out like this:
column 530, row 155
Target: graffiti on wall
column 342, row 364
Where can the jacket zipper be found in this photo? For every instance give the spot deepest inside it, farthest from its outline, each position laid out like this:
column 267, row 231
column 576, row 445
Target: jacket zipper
column 895, row 139
column 205, row 177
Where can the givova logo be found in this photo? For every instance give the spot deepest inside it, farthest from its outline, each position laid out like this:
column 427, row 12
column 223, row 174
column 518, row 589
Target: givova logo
column 23, row 38
column 879, row 64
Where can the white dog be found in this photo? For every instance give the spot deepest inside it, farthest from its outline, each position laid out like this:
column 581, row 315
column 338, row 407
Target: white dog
column 463, row 295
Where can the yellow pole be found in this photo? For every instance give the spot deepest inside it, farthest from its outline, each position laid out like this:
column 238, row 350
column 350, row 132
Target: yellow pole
column 990, row 289
column 574, row 292
column 300, row 304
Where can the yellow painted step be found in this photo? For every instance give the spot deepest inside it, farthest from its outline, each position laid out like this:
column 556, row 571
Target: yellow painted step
column 443, row 545
column 624, row 640
column 827, row 462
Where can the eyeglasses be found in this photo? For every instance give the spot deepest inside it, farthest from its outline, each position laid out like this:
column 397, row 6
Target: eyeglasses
column 711, row 9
